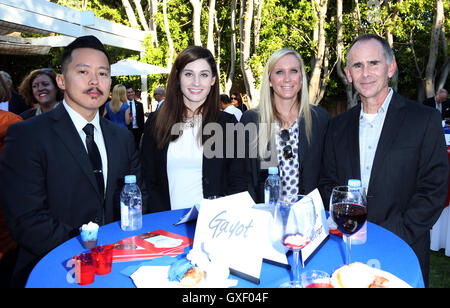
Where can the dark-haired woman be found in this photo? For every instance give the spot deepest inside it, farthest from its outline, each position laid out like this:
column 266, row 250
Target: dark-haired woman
column 180, row 167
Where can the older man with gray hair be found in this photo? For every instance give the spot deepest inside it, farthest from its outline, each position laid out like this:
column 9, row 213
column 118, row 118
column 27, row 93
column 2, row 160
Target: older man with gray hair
column 16, row 103
column 160, row 95
column 440, row 102
column 394, row 145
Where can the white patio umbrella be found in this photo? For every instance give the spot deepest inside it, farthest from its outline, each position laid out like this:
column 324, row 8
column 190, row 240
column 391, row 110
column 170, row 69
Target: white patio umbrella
column 132, row 67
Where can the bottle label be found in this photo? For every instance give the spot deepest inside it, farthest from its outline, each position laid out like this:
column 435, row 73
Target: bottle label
column 124, row 215
column 266, row 196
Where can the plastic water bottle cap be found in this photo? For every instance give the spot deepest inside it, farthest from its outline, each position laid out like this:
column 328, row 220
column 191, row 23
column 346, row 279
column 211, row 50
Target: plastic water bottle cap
column 129, row 179
column 354, row 183
column 273, row 170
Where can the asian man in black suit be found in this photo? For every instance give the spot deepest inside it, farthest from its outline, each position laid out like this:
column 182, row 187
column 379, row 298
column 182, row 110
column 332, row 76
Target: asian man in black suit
column 56, row 176
column 394, row 145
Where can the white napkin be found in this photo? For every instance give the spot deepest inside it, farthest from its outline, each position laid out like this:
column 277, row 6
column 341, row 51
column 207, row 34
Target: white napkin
column 157, row 277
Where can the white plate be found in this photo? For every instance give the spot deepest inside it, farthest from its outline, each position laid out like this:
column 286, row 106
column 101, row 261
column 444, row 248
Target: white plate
column 394, row 281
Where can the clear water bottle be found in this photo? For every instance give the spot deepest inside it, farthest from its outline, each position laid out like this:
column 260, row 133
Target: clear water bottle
column 359, row 237
column 130, row 205
column 272, row 187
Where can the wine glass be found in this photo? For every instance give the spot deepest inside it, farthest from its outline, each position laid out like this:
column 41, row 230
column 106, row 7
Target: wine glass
column 349, row 212
column 293, row 226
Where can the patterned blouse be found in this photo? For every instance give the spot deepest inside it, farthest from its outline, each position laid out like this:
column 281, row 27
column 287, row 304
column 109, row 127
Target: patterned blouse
column 287, row 153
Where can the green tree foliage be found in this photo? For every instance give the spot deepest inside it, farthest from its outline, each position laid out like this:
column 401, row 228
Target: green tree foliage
column 284, row 23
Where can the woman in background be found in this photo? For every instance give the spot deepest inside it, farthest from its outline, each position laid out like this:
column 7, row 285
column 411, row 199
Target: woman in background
column 291, row 131
column 178, row 167
column 236, row 100
column 118, row 109
column 40, row 92
column 7, row 244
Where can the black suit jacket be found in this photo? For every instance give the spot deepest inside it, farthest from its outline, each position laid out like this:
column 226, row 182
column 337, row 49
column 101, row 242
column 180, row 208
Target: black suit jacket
column 17, row 103
column 310, row 155
column 48, row 189
column 409, row 180
column 139, row 121
column 431, row 102
column 217, row 172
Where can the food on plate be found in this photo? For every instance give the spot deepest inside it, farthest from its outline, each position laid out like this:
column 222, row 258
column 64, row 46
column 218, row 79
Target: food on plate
column 359, row 275
column 184, row 272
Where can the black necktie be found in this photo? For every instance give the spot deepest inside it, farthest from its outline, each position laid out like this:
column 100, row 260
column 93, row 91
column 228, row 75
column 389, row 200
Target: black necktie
column 94, row 156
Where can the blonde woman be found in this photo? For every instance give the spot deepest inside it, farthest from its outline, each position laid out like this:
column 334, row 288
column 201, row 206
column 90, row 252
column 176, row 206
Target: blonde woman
column 290, row 131
column 118, row 109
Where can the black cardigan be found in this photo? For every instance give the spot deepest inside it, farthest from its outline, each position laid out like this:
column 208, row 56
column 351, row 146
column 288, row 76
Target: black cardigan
column 217, row 179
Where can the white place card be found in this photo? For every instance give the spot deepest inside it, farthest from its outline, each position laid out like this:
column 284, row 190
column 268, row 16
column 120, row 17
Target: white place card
column 321, row 231
column 241, row 199
column 238, row 232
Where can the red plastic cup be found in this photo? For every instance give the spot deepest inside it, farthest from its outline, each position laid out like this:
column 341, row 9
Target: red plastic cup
column 84, row 268
column 103, row 257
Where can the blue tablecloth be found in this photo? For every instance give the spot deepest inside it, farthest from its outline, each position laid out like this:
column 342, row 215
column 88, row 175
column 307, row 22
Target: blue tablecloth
column 383, row 249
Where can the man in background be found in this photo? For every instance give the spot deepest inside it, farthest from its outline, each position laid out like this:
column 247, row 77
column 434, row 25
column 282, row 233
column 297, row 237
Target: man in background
column 440, row 102
column 227, row 106
column 159, row 95
column 16, row 103
column 137, row 116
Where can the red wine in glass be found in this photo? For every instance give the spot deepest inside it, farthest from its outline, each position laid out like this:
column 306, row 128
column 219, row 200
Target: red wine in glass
column 349, row 217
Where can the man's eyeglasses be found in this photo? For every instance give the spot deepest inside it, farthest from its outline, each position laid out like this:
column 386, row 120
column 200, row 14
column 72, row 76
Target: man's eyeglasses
column 287, row 149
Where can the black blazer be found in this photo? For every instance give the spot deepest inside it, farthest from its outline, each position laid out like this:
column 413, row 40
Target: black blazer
column 217, row 178
column 409, row 179
column 48, row 189
column 310, row 155
column 431, row 102
column 139, row 116
column 17, row 103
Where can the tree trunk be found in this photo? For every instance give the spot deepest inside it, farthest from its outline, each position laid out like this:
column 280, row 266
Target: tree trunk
column 130, row 14
column 318, row 59
column 443, row 74
column 340, row 57
column 245, row 30
column 438, row 21
column 219, row 43
column 257, row 22
column 140, row 11
column 84, row 4
column 171, row 50
column 212, row 13
column 153, row 10
column 197, row 12
column 231, row 68
column 390, row 39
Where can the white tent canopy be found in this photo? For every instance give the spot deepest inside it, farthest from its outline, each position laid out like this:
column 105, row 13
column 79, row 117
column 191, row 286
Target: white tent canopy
column 60, row 25
column 132, row 67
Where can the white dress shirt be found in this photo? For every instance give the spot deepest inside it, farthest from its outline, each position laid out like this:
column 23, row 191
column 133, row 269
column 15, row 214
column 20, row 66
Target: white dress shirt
column 234, row 111
column 80, row 123
column 370, row 126
column 133, row 112
column 4, row 106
